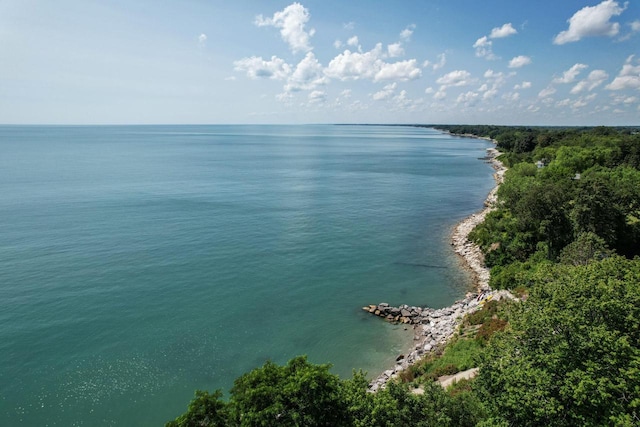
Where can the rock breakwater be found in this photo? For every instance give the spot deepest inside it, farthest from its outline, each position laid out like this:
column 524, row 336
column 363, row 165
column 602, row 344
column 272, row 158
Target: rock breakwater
column 432, row 328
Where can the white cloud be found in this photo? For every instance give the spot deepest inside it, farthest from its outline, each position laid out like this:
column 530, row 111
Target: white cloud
column 570, row 75
column 592, row 21
column 491, row 93
column 484, row 45
column 511, row 96
column 505, row 31
column 395, row 50
column 595, row 79
column 483, row 48
column 440, row 95
column 349, row 26
column 256, row 67
column 202, row 39
column 428, row 90
column 468, row 98
column 353, row 41
column 523, row 85
column 490, row 74
column 617, row 100
column 337, row 44
column 291, row 21
column 407, row 32
column 634, row 27
column 546, row 92
column 580, row 103
column 519, row 61
column 307, row 76
column 355, row 65
column 442, row 61
column 386, row 93
column 402, row 70
column 317, row 97
column 628, row 78
column 455, row 78
column 369, row 65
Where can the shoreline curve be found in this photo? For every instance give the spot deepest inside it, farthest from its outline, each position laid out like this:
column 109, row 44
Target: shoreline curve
column 435, row 327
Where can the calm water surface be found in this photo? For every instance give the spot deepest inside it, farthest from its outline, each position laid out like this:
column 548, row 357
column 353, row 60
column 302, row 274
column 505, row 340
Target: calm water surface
column 139, row 263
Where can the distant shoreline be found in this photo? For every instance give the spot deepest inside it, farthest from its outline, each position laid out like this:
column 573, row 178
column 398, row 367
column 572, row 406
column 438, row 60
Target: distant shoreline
column 433, row 328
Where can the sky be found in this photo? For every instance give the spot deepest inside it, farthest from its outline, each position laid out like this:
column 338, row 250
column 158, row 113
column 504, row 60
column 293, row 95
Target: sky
column 508, row 62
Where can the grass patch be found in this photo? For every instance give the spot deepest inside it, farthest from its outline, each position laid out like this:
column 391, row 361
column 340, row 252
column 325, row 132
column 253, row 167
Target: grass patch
column 458, row 356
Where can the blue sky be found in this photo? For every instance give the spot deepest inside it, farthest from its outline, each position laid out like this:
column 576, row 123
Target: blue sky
column 320, row 61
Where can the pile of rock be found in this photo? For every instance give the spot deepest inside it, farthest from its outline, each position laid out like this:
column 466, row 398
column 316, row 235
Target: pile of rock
column 403, row 314
column 432, row 328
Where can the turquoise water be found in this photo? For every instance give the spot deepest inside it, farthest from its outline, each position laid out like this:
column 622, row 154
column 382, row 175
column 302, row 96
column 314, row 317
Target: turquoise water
column 139, row 263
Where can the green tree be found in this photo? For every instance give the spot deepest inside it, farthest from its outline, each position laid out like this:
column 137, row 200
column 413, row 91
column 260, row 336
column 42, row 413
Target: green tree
column 297, row 394
column 205, row 410
column 572, row 353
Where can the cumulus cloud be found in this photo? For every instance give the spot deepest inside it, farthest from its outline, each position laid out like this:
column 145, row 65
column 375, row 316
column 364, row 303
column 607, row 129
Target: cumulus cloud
column 386, row 93
column 624, row 99
column 519, row 61
column 307, row 76
column 595, row 79
column 634, row 27
column 440, row 95
column 592, row 21
column 511, row 96
column 523, row 85
column 455, row 78
column 467, row 98
column 496, row 80
column 202, row 39
column 570, row 75
column 395, row 50
column 547, row 92
column 442, row 61
column 484, row 45
column 370, row 65
column 353, row 41
column 255, row 67
column 505, row 31
column 291, row 21
column 628, row 78
column 355, row 65
column 402, row 70
column 407, row 32
column 317, row 97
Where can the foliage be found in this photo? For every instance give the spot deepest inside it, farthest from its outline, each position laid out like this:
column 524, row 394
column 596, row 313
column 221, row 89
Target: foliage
column 204, row 410
column 299, row 393
column 304, row 394
column 571, row 354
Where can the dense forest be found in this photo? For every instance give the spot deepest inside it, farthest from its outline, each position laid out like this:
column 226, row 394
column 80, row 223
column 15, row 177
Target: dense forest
column 564, row 236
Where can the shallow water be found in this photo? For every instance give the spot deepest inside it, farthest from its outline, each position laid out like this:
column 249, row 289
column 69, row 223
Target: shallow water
column 138, row 263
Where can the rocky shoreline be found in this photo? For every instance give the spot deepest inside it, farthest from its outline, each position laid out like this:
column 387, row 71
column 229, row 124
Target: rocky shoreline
column 433, row 328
